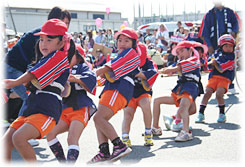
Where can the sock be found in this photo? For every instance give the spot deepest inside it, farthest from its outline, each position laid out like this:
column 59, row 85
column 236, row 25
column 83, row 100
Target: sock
column 222, row 109
column 125, row 135
column 202, row 108
column 104, row 148
column 117, row 142
column 148, row 130
column 57, row 149
column 73, row 152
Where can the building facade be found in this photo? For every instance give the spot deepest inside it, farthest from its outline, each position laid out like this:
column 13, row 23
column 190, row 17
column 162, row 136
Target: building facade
column 25, row 19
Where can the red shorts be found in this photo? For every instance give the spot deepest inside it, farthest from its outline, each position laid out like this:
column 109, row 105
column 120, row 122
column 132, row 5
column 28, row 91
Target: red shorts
column 113, row 99
column 68, row 115
column 134, row 102
column 218, row 81
column 43, row 123
column 178, row 97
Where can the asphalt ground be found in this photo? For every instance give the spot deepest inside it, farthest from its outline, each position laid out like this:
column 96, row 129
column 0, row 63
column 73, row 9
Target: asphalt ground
column 213, row 144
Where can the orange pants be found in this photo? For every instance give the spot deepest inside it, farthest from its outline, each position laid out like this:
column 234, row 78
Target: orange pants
column 43, row 123
column 113, row 99
column 68, row 115
column 218, row 81
column 177, row 97
column 134, row 102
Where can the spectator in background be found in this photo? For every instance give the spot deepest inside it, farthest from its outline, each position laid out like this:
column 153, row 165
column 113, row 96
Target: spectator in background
column 99, row 39
column 163, row 36
column 148, row 34
column 181, row 32
column 89, row 40
column 153, row 37
column 179, row 24
column 140, row 37
column 108, row 37
column 76, row 38
column 171, row 58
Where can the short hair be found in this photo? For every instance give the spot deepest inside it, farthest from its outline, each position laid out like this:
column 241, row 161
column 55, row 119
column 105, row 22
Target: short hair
column 59, row 13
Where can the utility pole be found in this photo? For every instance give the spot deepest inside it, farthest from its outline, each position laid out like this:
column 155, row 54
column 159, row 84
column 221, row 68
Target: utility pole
column 139, row 16
column 12, row 20
column 134, row 18
column 151, row 13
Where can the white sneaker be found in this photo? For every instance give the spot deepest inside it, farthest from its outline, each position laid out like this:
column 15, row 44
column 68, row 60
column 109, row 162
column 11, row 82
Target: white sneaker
column 232, row 91
column 156, row 131
column 183, row 136
column 33, row 142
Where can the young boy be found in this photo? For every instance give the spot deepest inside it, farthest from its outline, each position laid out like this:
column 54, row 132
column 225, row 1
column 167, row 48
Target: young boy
column 220, row 77
column 186, row 90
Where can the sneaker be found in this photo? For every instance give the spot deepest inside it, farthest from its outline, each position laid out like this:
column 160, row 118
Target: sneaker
column 33, row 142
column 119, row 152
column 200, row 118
column 100, row 157
column 148, row 139
column 232, row 91
column 168, row 122
column 127, row 141
column 222, row 118
column 156, row 131
column 183, row 136
column 177, row 127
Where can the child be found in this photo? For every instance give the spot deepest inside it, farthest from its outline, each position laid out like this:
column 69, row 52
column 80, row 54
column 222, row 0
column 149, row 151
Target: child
column 186, row 90
column 116, row 94
column 220, row 77
column 77, row 109
column 141, row 98
column 43, row 106
column 202, row 50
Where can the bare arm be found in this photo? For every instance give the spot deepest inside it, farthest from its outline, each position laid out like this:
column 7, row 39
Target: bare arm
column 141, row 75
column 26, row 77
column 215, row 64
column 75, row 79
column 102, row 70
column 170, row 70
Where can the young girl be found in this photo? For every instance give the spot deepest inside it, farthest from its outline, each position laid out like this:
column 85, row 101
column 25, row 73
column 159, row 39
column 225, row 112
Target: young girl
column 220, row 77
column 77, row 109
column 142, row 98
column 186, row 90
column 116, row 94
column 43, row 107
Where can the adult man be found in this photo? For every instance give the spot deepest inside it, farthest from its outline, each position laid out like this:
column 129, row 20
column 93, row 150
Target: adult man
column 218, row 21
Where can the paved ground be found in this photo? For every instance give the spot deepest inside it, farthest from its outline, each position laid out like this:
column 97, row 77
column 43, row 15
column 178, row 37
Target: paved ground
column 214, row 144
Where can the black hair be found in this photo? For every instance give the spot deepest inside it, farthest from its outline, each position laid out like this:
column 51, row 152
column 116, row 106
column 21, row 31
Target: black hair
column 79, row 57
column 199, row 48
column 71, row 50
column 38, row 54
column 59, row 13
column 56, row 36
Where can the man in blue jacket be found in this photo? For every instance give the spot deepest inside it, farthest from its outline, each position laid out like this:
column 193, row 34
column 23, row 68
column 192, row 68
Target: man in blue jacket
column 218, row 21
